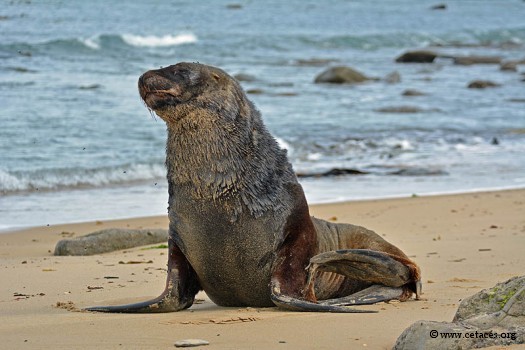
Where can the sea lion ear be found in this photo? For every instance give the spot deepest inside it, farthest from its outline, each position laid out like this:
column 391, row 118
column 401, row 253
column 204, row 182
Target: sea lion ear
column 216, row 76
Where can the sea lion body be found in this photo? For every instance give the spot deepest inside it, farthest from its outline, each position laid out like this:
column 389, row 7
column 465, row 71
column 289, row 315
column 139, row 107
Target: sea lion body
column 230, row 266
column 240, row 227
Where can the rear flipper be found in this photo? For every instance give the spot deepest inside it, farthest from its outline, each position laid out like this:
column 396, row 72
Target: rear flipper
column 295, row 304
column 371, row 295
column 389, row 278
column 181, row 287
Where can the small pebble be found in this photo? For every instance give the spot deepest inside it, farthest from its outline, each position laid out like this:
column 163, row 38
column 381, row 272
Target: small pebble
column 187, row 343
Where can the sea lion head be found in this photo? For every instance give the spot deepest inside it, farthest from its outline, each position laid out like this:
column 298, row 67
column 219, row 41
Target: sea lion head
column 191, row 89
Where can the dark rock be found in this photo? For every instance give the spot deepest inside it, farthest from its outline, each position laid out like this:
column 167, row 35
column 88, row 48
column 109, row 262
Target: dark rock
column 109, row 240
column 234, row 6
column 393, row 78
column 334, row 172
column 418, row 172
column 314, row 62
column 341, row 75
column 439, row 7
column 90, row 87
column 500, row 310
column 482, row 84
column 282, row 84
column 21, row 70
column 244, row 77
column 255, row 91
column 412, row 92
column 400, row 109
column 470, row 60
column 510, row 66
column 417, row 57
column 286, row 94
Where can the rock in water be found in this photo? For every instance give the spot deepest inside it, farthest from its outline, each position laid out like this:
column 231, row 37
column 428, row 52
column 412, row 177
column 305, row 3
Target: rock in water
column 482, row 84
column 509, row 66
column 412, row 92
column 341, row 75
column 470, row 60
column 245, row 77
column 439, row 7
column 417, row 57
column 393, row 78
column 109, row 240
column 400, row 109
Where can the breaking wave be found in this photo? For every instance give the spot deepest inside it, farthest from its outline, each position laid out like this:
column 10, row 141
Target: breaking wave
column 159, row 41
column 103, row 41
column 67, row 178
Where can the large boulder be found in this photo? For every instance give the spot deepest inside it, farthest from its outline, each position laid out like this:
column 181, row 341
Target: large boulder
column 501, row 305
column 341, row 75
column 109, row 240
column 492, row 317
column 418, row 56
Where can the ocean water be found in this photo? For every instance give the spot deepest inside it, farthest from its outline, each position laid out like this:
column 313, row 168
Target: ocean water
column 76, row 142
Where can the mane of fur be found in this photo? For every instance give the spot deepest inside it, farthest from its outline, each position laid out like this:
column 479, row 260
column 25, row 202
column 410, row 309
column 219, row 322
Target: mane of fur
column 220, row 148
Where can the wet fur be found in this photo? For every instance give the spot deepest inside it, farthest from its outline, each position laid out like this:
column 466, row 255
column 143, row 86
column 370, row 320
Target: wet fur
column 237, row 212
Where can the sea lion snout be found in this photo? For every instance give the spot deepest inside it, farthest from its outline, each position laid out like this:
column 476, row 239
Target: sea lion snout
column 157, row 91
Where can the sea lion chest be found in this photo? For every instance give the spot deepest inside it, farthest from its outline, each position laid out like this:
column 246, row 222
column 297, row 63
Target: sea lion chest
column 231, row 254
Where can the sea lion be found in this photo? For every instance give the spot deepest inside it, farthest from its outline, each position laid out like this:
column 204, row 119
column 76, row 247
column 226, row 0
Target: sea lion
column 239, row 225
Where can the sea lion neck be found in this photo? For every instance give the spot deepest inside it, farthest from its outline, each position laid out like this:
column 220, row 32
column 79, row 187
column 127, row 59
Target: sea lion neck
column 228, row 164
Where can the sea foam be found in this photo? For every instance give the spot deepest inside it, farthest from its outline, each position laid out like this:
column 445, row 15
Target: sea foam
column 159, row 41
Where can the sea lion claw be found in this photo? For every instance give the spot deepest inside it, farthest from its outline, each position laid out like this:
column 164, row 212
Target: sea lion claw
column 159, row 304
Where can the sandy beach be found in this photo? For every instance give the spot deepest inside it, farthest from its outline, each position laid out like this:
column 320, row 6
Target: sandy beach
column 463, row 243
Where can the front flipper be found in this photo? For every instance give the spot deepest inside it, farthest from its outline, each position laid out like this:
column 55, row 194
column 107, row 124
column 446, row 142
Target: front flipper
column 181, row 286
column 388, row 277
